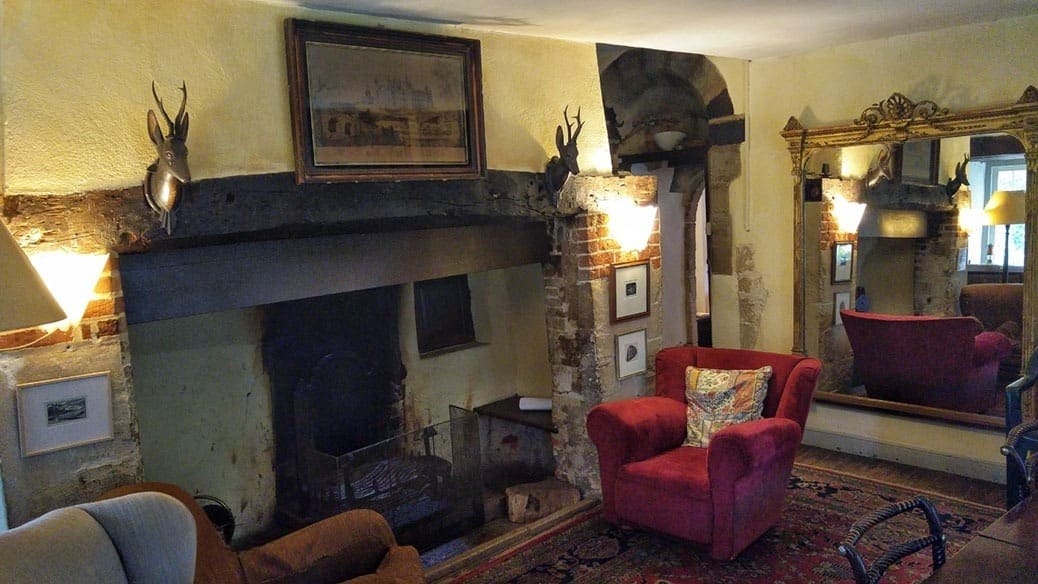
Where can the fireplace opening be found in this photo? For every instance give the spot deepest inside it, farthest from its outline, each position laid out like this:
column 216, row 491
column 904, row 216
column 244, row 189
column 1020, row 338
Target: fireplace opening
column 338, row 387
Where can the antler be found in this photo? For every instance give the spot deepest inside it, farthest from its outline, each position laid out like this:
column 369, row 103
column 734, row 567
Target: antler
column 176, row 127
column 571, row 136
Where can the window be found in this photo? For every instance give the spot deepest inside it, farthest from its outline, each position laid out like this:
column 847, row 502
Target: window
column 443, row 314
column 987, row 175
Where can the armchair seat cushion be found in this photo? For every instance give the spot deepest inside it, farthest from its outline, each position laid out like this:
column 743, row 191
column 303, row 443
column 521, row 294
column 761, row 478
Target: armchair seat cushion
column 669, row 493
column 678, row 470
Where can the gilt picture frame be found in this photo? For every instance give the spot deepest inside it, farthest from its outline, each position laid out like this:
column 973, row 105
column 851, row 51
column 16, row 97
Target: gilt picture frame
column 64, row 413
column 629, row 290
column 375, row 104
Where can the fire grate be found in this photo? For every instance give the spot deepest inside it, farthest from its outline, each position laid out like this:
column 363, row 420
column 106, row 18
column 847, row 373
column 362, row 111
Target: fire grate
column 427, row 483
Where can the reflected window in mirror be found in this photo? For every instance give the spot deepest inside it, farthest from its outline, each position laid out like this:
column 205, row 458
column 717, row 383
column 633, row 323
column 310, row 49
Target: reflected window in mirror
column 988, row 174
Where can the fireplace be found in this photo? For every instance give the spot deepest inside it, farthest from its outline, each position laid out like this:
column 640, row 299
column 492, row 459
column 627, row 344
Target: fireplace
column 191, row 311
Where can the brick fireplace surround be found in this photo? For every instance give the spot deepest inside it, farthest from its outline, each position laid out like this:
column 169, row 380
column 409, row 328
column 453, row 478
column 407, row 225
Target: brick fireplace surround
column 506, row 217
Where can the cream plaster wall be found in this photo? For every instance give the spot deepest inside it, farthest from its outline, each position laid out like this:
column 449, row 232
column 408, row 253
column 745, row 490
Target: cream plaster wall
column 508, row 313
column 76, row 88
column 959, row 68
column 204, row 409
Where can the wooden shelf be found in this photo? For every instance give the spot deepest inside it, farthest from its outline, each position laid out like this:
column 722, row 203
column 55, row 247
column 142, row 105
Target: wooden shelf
column 508, row 409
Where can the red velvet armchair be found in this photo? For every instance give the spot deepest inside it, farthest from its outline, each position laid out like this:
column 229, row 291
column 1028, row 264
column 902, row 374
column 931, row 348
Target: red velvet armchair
column 726, row 494
column 938, row 361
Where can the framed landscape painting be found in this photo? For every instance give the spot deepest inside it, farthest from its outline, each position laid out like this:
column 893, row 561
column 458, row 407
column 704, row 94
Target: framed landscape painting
column 375, row 104
column 62, row 413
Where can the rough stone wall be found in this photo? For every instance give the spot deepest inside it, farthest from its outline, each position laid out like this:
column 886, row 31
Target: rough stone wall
column 582, row 336
column 938, row 279
column 43, row 482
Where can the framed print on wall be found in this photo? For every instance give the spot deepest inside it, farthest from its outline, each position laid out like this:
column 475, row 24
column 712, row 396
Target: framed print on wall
column 62, row 413
column 630, row 354
column 919, row 161
column 376, row 104
column 629, row 290
column 843, row 261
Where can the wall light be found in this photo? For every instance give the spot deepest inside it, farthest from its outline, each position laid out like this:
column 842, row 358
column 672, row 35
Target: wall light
column 630, row 224
column 71, row 277
column 847, row 214
column 970, row 220
column 24, row 299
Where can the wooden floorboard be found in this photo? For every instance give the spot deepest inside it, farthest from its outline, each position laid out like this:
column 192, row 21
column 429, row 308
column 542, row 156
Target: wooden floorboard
column 952, row 485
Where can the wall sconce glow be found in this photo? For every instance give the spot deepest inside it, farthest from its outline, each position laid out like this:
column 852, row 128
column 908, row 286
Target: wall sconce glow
column 630, row 224
column 71, row 278
column 848, row 214
column 970, row 220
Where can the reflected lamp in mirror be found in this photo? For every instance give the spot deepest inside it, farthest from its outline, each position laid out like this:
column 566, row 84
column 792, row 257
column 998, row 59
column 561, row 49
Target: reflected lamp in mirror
column 1006, row 208
column 25, row 300
column 898, row 223
column 848, row 214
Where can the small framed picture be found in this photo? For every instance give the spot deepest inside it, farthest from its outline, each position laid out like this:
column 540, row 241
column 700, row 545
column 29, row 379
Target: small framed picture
column 843, row 261
column 630, row 354
column 62, row 413
column 920, row 160
column 629, row 290
column 841, row 301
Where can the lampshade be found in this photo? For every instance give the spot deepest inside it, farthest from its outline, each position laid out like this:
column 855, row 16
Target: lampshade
column 1006, row 208
column 24, row 299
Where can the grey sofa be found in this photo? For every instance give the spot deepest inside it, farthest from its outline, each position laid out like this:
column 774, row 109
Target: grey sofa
column 146, row 538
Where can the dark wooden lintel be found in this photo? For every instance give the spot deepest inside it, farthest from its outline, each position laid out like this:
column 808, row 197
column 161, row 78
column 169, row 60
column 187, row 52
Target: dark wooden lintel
column 272, row 206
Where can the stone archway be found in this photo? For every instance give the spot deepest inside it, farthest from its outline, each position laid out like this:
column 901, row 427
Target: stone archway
column 646, row 91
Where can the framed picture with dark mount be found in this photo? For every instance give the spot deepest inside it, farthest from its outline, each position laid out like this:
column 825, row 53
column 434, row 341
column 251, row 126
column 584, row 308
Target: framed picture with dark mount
column 629, row 290
column 843, row 261
column 376, row 104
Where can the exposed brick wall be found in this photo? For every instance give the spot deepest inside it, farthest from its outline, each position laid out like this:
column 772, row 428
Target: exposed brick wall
column 582, row 336
column 937, row 277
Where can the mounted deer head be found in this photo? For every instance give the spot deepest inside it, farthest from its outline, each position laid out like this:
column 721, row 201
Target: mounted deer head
column 960, row 178
column 169, row 172
column 561, row 167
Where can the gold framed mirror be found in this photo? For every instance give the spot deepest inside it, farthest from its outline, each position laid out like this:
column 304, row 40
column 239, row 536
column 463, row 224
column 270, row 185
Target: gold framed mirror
column 864, row 156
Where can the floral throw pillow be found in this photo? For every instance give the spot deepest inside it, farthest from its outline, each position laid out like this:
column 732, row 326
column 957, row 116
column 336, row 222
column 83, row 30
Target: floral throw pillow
column 718, row 398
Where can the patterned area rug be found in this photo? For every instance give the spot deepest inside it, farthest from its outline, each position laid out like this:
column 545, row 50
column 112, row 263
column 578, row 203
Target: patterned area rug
column 820, row 507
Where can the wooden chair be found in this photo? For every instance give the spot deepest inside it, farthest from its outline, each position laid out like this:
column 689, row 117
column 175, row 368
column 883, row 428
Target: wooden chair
column 1021, row 437
column 870, row 574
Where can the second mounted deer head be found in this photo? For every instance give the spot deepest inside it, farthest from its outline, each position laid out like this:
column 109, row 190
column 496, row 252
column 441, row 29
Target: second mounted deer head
column 561, row 167
column 167, row 175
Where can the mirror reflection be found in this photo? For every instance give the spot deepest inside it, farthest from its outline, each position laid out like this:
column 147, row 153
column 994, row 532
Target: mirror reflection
column 922, row 242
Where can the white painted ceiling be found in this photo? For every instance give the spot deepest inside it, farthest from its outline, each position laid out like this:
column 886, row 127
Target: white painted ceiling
column 747, row 29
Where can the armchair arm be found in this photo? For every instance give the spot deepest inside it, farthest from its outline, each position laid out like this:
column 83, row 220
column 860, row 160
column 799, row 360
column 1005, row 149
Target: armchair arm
column 338, row 548
column 743, row 448
column 635, row 429
column 630, row 430
column 990, row 346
